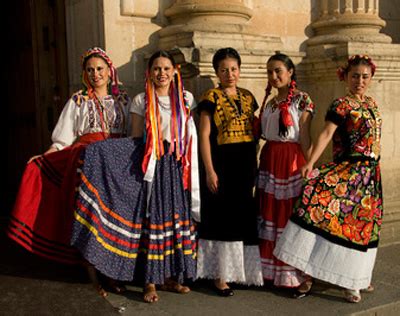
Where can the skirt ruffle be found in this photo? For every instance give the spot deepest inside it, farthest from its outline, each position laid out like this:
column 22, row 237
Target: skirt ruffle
column 41, row 220
column 279, row 185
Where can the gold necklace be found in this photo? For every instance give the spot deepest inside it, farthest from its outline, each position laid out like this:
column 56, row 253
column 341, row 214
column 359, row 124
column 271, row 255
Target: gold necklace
column 238, row 109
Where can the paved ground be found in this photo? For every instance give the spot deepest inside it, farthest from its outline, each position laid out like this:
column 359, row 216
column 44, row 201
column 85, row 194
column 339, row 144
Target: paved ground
column 30, row 285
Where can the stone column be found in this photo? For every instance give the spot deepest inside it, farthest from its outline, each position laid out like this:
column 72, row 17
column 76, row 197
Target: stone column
column 342, row 29
column 199, row 27
column 344, row 21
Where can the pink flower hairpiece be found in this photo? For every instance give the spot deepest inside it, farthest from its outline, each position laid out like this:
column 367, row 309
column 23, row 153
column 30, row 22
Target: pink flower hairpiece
column 353, row 60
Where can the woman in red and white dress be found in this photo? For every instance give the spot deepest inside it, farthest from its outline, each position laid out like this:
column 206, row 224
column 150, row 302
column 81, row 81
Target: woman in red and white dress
column 41, row 220
column 285, row 124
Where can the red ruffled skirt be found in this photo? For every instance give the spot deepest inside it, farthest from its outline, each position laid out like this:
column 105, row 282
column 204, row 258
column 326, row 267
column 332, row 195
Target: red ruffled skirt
column 41, row 220
column 279, row 184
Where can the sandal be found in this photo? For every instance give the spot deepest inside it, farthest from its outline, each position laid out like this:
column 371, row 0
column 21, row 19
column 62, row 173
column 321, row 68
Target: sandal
column 115, row 286
column 92, row 273
column 352, row 296
column 150, row 294
column 173, row 286
column 304, row 289
column 369, row 289
column 102, row 292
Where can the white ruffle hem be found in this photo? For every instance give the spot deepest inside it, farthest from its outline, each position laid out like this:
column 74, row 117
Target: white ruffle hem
column 229, row 261
column 324, row 260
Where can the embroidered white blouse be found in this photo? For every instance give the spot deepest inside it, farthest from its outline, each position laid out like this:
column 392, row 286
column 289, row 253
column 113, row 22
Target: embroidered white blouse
column 77, row 120
column 270, row 118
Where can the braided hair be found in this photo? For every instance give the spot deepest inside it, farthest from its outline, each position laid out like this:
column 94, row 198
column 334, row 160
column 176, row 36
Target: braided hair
column 285, row 118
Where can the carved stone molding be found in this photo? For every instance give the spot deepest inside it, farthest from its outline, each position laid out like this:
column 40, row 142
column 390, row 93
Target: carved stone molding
column 348, row 20
column 199, row 27
column 203, row 11
column 139, row 8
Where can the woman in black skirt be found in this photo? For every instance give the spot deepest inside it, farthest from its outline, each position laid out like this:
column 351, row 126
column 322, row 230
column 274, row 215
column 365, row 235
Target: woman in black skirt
column 228, row 245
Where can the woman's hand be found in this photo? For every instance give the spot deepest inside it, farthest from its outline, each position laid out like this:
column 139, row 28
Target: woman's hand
column 306, row 169
column 50, row 150
column 33, row 158
column 212, row 181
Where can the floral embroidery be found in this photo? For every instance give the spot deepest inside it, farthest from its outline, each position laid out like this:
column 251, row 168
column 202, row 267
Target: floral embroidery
column 344, row 198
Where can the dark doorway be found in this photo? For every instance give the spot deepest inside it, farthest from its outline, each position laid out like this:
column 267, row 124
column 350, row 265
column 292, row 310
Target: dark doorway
column 36, row 82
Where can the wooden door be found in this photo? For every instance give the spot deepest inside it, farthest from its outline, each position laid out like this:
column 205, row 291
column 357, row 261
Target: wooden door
column 36, row 82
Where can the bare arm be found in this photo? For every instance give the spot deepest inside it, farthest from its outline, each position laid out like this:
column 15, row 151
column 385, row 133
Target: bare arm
column 48, row 151
column 137, row 125
column 205, row 149
column 305, row 139
column 319, row 147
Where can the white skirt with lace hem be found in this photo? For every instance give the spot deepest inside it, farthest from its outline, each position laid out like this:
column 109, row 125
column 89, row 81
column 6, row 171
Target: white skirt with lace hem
column 229, row 261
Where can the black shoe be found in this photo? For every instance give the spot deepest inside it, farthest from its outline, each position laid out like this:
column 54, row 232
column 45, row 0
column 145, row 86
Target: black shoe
column 225, row 292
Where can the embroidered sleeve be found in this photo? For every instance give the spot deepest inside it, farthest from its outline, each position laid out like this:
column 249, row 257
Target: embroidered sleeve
column 337, row 111
column 306, row 104
column 79, row 97
column 208, row 102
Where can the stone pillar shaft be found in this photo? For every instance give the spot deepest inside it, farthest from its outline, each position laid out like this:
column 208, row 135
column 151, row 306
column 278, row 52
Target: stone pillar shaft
column 342, row 21
column 335, row 7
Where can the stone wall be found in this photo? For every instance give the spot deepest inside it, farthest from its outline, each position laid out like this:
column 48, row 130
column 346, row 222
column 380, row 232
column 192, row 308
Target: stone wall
column 319, row 35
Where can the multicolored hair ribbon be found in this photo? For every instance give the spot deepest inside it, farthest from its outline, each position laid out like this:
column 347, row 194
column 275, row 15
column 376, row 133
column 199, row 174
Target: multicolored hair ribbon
column 354, row 61
column 114, row 82
column 180, row 113
column 183, row 142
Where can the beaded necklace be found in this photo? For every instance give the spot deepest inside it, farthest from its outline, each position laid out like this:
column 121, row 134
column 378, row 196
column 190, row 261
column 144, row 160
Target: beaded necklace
column 105, row 126
column 238, row 109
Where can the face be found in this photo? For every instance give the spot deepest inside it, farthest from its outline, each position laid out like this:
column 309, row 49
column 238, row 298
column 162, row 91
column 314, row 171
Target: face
column 358, row 79
column 98, row 72
column 228, row 72
column 278, row 75
column 162, row 72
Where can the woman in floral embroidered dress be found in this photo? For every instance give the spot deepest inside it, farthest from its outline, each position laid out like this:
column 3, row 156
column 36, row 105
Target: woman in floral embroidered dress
column 334, row 231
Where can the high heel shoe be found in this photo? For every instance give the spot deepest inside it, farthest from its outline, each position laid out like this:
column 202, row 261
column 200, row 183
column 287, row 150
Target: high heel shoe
column 224, row 292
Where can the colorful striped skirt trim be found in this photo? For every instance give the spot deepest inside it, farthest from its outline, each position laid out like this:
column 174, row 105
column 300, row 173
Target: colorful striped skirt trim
column 111, row 228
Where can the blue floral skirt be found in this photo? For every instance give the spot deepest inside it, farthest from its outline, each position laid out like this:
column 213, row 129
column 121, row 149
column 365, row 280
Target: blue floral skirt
column 122, row 222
